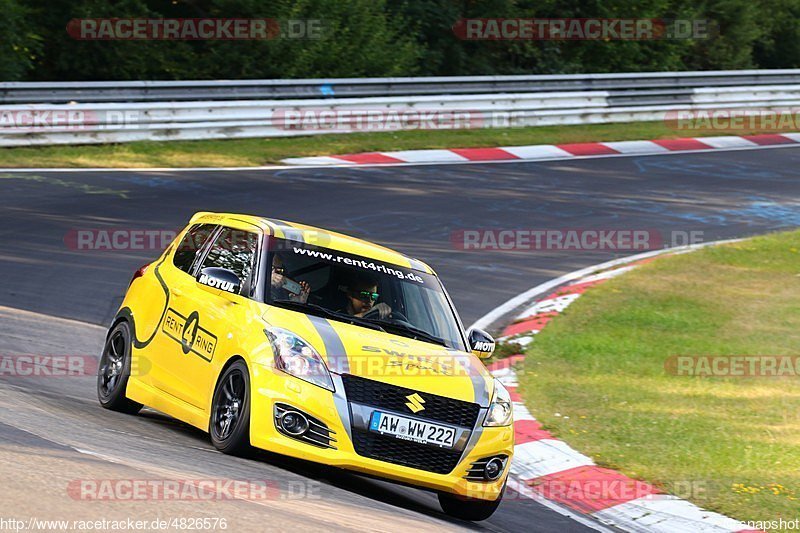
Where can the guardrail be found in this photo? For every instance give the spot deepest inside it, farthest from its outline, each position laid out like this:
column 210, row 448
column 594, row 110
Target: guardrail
column 149, row 91
column 110, row 112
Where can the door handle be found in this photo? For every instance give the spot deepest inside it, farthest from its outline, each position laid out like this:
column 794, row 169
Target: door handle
column 177, row 293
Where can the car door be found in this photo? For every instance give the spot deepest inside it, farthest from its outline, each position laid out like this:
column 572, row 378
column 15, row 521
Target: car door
column 212, row 319
column 177, row 274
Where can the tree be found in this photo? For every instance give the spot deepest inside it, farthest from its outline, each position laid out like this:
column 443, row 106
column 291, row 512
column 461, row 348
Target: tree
column 19, row 44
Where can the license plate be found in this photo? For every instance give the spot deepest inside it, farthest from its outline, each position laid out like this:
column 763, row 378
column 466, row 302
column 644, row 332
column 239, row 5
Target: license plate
column 412, row 429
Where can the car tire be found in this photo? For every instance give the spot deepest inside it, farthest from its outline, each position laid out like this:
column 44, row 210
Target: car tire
column 471, row 509
column 115, row 370
column 229, row 424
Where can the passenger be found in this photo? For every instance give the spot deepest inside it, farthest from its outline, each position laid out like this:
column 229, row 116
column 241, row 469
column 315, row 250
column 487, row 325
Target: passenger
column 282, row 287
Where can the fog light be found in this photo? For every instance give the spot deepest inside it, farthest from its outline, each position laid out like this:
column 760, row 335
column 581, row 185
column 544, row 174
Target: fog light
column 494, row 468
column 294, row 423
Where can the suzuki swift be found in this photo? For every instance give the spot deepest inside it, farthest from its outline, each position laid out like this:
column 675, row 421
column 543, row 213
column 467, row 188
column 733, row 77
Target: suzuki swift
column 316, row 345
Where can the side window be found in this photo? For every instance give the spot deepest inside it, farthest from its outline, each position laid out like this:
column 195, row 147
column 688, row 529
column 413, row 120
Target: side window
column 235, row 250
column 194, row 239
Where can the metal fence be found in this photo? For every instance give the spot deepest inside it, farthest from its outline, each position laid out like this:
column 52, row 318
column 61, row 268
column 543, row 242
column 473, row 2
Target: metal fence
column 104, row 112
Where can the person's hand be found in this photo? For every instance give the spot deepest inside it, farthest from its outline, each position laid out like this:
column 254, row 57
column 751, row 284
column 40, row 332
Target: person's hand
column 305, row 290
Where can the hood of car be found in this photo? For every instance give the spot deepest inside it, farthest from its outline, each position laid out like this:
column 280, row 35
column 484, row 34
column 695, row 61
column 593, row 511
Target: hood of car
column 391, row 358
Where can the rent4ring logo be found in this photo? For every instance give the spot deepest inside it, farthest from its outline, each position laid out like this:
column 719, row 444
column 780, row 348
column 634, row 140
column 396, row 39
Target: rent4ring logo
column 188, row 333
column 572, row 239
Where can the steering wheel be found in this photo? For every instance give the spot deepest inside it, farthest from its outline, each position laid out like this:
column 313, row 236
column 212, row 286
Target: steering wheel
column 396, row 315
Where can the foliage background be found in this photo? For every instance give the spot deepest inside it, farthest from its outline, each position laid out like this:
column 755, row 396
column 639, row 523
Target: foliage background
column 387, row 38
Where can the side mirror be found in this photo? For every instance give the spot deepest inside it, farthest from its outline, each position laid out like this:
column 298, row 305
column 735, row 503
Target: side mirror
column 220, row 278
column 481, row 343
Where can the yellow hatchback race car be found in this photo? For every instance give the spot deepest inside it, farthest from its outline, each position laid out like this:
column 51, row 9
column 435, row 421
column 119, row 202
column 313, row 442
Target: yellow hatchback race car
column 315, row 345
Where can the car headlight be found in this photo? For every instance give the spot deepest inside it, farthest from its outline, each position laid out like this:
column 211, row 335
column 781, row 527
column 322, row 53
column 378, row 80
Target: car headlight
column 501, row 410
column 296, row 357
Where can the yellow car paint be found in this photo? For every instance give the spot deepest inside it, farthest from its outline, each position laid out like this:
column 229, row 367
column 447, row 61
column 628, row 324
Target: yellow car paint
column 185, row 333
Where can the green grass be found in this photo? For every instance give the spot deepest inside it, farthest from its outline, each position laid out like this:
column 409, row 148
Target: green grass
column 596, row 376
column 254, row 152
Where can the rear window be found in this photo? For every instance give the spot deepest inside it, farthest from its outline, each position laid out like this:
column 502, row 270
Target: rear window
column 193, row 241
column 235, row 250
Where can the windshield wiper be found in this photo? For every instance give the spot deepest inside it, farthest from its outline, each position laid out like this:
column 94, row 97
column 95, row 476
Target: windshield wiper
column 406, row 328
column 319, row 310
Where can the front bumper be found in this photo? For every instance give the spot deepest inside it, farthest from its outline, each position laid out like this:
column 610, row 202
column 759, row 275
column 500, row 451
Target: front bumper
column 347, row 422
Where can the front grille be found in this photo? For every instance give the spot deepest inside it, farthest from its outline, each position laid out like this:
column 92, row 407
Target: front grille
column 439, row 408
column 405, row 453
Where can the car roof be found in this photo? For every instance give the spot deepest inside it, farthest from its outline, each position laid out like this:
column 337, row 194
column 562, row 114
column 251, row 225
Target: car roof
column 316, row 236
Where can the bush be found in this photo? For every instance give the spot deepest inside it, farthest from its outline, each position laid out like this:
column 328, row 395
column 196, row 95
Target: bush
column 19, row 45
column 388, row 38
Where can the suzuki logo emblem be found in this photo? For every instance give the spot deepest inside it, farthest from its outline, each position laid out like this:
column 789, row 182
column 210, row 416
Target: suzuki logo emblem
column 415, row 402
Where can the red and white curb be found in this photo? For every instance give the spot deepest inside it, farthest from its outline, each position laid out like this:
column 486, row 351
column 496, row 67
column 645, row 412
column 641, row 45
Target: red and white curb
column 548, row 469
column 541, row 152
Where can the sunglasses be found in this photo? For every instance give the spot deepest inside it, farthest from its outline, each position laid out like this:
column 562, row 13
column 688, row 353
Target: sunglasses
column 365, row 296
column 279, row 270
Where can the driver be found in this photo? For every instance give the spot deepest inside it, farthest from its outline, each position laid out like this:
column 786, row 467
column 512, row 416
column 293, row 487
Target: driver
column 362, row 293
column 282, row 287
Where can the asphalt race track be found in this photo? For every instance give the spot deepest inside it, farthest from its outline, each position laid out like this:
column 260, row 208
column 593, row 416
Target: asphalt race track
column 55, row 299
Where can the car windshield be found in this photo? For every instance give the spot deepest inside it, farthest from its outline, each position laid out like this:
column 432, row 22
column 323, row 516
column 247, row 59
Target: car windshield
column 361, row 291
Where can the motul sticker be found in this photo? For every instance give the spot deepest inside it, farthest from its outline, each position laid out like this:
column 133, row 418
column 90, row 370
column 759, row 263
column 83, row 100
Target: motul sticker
column 226, row 286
